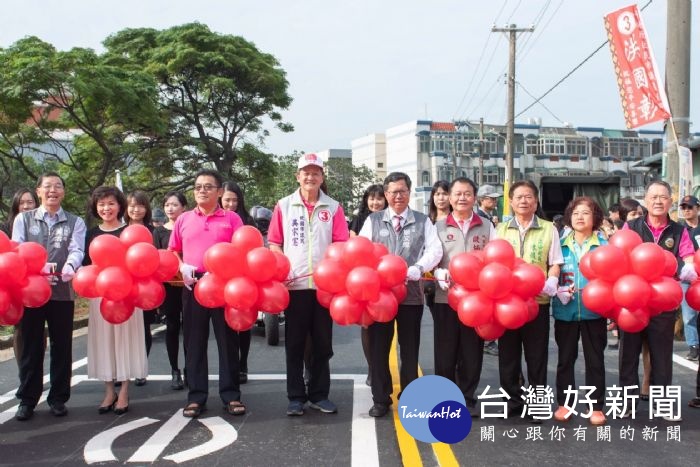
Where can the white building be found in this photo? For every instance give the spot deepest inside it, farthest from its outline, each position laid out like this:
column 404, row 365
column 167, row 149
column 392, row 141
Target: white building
column 370, row 151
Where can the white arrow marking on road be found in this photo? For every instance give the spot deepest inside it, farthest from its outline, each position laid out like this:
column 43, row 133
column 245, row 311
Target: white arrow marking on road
column 99, row 448
column 223, row 434
column 156, row 444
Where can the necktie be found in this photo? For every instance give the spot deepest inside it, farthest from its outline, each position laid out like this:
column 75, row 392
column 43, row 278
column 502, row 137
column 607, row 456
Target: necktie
column 397, row 223
column 461, row 224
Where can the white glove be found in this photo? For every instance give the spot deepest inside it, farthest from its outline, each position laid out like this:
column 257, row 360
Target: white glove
column 187, row 271
column 443, row 278
column 564, row 295
column 413, row 273
column 551, row 286
column 67, row 273
column 688, row 273
column 49, row 269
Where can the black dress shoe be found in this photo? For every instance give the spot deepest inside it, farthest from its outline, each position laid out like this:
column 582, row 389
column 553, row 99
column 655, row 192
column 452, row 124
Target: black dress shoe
column 177, row 383
column 121, row 410
column 140, row 381
column 103, row 409
column 242, row 377
column 24, row 412
column 58, row 409
column 378, row 410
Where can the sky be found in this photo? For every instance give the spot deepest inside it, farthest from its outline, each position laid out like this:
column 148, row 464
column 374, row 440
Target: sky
column 360, row 67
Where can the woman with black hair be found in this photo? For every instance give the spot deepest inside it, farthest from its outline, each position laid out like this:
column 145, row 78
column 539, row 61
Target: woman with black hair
column 233, row 200
column 439, row 203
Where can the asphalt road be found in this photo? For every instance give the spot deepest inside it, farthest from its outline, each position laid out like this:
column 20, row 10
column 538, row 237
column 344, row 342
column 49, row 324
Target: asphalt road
column 153, row 431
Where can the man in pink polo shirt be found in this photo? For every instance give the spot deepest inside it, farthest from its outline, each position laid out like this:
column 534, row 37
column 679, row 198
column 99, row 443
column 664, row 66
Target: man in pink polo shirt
column 303, row 225
column 193, row 233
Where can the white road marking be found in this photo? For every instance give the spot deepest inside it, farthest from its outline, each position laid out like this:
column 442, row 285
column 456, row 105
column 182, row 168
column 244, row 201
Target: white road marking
column 364, row 450
column 99, row 448
column 156, row 444
column 685, row 362
column 223, row 434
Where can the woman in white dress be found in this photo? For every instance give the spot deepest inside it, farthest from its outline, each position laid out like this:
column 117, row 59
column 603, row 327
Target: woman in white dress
column 116, row 352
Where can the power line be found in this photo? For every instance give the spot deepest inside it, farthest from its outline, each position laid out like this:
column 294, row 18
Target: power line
column 544, row 106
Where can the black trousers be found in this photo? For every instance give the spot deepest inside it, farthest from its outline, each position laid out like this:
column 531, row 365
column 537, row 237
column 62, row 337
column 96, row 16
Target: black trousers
column 697, row 381
column 172, row 309
column 594, row 338
column 244, row 349
column 659, row 334
column 149, row 317
column 533, row 338
column 59, row 317
column 196, row 332
column 459, row 351
column 306, row 317
column 408, row 322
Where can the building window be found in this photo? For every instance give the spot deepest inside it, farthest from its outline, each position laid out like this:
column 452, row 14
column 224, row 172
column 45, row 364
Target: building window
column 380, row 165
column 425, row 179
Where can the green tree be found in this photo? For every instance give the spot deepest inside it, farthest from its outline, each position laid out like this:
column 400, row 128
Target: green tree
column 217, row 91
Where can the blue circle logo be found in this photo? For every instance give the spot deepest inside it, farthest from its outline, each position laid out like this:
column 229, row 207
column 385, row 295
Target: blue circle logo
column 432, row 409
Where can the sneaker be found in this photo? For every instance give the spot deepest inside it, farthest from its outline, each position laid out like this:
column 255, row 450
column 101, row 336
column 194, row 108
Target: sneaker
column 694, row 403
column 491, row 348
column 295, row 408
column 562, row 414
column 324, row 406
column 692, row 353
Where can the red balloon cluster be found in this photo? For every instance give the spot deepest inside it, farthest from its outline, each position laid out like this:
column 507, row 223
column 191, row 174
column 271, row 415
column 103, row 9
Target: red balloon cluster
column 127, row 272
column 692, row 295
column 244, row 278
column 360, row 282
column 493, row 289
column 21, row 282
column 630, row 281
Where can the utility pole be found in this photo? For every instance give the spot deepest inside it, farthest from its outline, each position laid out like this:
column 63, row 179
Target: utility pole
column 678, row 43
column 481, row 152
column 512, row 31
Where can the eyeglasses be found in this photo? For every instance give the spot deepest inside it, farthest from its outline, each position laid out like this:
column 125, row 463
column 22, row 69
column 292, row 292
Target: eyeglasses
column 663, row 198
column 207, row 187
column 685, row 207
column 396, row 193
column 524, row 198
column 463, row 195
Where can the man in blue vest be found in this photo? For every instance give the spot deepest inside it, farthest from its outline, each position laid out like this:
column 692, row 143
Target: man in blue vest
column 63, row 236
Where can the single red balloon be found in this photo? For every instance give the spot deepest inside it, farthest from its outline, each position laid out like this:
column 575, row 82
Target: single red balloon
column 584, row 265
column 465, row 268
column 5, row 300
column 359, row 251
column 324, row 298
column 692, row 295
column 209, row 291
column 135, row 233
column 240, row 320
column 241, row 293
column 13, row 270
column 670, row 264
column 34, row 256
column 528, row 280
column 37, row 292
column 142, row 259
column 385, row 308
column 392, row 270
column 495, row 280
column 597, row 296
column 5, row 245
column 500, row 251
column 282, row 267
column 84, row 281
column 151, row 293
column 116, row 312
column 330, row 275
column 335, row 251
column 262, row 264
column 400, row 291
column 113, row 283
column 631, row 291
column 226, row 261
column 490, row 331
column 345, row 310
column 631, row 320
column 533, row 309
column 365, row 320
column 475, row 309
column 511, row 312
column 609, row 262
column 247, row 238
column 666, row 294
column 13, row 314
column 645, row 260
column 379, row 250
column 107, row 250
column 362, row 283
column 273, row 297
column 168, row 266
column 455, row 294
column 626, row 240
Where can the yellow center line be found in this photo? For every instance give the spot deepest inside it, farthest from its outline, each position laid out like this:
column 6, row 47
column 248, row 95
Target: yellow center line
column 407, row 444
